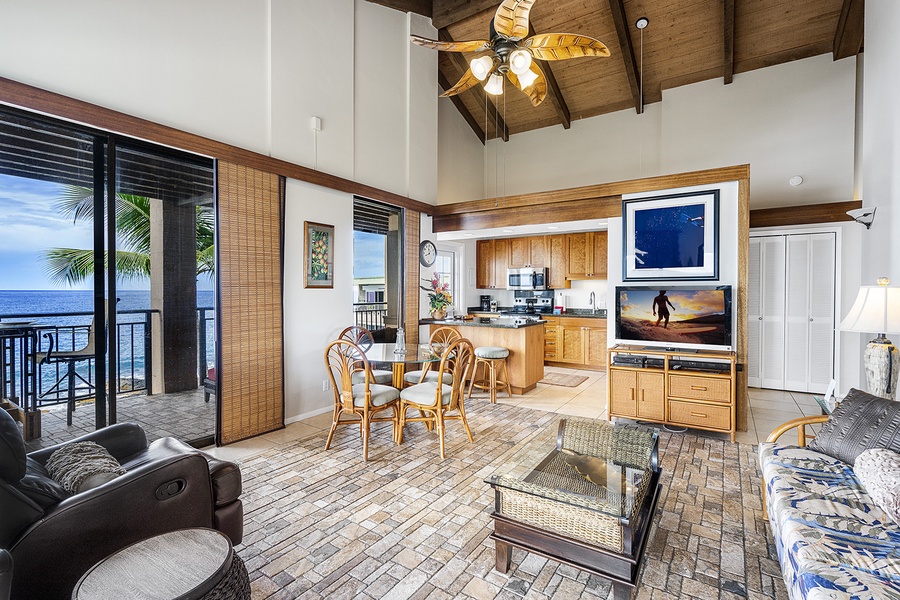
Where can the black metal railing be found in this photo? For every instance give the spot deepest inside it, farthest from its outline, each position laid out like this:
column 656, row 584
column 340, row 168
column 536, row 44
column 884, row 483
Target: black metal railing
column 370, row 314
column 134, row 356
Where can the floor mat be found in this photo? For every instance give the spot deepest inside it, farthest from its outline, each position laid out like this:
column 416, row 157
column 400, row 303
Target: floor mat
column 563, row 379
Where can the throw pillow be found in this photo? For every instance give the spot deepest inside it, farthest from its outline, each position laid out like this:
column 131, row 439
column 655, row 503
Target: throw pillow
column 81, row 466
column 860, row 422
column 879, row 472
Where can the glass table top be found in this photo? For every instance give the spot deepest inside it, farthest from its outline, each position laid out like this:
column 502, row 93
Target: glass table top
column 384, row 353
column 589, row 464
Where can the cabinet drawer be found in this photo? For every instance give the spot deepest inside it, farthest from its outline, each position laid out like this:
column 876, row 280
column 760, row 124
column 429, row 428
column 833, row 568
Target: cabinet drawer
column 706, row 416
column 700, row 388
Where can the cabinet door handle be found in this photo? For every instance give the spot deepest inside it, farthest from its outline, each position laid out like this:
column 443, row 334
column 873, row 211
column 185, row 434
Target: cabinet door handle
column 696, row 414
column 699, row 388
column 642, row 395
column 632, row 393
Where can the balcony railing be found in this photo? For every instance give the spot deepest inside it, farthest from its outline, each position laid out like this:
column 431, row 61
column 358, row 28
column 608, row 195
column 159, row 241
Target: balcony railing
column 134, row 338
column 370, row 314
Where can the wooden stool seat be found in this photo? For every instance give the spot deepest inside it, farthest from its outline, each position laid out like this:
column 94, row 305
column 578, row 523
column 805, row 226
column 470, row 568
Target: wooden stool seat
column 491, row 359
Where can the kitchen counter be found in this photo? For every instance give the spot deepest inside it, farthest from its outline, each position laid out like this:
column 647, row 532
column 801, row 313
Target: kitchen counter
column 501, row 322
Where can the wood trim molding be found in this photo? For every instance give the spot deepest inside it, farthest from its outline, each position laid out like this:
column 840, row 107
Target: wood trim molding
column 64, row 107
column 554, row 212
column 848, row 36
column 617, row 7
column 830, row 212
column 728, row 59
column 742, row 396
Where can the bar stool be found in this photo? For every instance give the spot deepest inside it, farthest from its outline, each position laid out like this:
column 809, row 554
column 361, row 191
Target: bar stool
column 491, row 358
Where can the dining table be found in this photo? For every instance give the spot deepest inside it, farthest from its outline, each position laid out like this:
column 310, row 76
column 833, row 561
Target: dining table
column 384, row 354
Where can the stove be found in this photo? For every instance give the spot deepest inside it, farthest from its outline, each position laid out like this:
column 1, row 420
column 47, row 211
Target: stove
column 531, row 308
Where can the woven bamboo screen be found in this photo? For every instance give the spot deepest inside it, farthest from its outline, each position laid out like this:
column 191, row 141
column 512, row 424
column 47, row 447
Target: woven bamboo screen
column 251, row 381
column 411, row 301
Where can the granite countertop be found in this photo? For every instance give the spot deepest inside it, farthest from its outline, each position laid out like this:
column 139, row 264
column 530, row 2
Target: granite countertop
column 570, row 312
column 499, row 322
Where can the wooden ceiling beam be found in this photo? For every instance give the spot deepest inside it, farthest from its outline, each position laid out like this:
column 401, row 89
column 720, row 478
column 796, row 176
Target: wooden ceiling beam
column 728, row 59
column 461, row 107
column 559, row 103
column 420, row 7
column 848, row 37
column 461, row 66
column 831, row 212
column 445, row 13
column 627, row 49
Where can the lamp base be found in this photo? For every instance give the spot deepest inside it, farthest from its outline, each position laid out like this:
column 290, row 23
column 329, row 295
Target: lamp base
column 882, row 362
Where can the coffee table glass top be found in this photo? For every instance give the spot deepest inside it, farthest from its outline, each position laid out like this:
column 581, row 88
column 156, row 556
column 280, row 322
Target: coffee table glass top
column 589, row 464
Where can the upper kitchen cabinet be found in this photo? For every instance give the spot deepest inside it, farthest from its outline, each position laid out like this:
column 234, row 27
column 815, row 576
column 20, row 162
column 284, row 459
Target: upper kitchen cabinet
column 586, row 255
column 492, row 261
column 532, row 251
column 557, row 245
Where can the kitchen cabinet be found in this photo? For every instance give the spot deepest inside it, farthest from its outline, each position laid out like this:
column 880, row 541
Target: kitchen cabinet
column 580, row 342
column 586, row 255
column 492, row 261
column 556, row 274
column 551, row 335
column 532, row 251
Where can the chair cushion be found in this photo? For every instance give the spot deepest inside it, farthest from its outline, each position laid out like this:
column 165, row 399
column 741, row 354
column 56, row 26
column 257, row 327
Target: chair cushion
column 425, row 393
column 879, row 472
column 860, row 422
column 80, row 466
column 491, row 352
column 12, row 449
column 381, row 394
column 431, row 376
column 379, row 376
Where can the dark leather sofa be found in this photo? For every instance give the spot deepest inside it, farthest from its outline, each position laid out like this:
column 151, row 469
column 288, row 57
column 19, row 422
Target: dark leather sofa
column 54, row 537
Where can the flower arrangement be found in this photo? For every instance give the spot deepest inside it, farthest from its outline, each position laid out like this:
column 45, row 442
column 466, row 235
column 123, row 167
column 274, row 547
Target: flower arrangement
column 438, row 295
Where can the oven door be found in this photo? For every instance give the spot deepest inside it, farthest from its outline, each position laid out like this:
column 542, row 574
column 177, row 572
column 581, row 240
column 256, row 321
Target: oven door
column 520, row 279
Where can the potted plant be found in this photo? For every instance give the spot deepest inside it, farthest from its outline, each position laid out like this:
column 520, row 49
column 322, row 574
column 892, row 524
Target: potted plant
column 438, row 296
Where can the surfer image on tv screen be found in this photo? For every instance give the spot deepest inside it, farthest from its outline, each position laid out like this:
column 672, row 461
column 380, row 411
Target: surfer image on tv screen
column 659, row 307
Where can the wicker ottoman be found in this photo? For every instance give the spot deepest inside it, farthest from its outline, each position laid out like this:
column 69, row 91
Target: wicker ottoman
column 194, row 564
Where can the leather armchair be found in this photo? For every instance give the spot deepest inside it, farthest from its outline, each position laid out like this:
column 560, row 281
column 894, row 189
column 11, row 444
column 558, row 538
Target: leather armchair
column 55, row 537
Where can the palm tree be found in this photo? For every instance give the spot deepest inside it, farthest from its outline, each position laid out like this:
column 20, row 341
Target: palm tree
column 72, row 265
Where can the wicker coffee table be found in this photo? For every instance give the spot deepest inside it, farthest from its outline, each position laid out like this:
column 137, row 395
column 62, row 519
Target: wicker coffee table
column 584, row 499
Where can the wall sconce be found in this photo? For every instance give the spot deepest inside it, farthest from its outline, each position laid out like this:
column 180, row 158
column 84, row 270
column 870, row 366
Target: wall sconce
column 863, row 215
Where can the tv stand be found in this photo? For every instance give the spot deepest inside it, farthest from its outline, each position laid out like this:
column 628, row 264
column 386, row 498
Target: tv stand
column 657, row 385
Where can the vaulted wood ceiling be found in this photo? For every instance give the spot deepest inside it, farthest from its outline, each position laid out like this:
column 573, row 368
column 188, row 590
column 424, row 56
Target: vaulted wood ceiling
column 687, row 41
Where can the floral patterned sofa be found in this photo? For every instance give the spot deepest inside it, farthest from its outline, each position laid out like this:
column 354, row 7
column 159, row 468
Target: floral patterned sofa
column 834, row 540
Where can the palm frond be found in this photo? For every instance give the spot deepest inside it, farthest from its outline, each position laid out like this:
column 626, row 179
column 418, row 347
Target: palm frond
column 76, row 202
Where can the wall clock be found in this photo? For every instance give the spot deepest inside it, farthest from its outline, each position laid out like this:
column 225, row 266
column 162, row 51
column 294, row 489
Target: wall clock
column 427, row 253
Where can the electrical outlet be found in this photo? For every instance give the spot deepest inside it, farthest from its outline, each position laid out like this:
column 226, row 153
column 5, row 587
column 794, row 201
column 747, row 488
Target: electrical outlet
column 326, row 385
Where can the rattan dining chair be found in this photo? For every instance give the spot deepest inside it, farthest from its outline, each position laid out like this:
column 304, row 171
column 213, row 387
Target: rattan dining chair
column 440, row 402
column 440, row 339
column 343, row 359
column 363, row 338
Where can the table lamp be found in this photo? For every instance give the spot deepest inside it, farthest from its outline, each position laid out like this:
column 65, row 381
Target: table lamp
column 877, row 310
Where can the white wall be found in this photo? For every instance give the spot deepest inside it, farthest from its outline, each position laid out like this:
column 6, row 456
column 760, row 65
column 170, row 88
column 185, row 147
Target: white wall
column 460, row 157
column 791, row 119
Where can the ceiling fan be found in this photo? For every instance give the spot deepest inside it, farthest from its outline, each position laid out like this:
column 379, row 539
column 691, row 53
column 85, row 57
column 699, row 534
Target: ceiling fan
column 510, row 52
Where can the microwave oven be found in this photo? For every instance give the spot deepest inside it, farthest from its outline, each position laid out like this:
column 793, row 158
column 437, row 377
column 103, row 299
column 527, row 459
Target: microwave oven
column 529, row 278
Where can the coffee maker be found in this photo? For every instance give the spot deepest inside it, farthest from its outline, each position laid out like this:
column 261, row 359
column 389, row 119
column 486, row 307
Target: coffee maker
column 485, row 302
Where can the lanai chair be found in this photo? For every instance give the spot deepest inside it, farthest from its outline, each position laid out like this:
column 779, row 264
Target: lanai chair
column 70, row 358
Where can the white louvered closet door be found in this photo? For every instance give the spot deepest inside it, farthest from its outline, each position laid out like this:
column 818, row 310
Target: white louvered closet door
column 772, row 280
column 823, row 259
column 754, row 312
column 796, row 314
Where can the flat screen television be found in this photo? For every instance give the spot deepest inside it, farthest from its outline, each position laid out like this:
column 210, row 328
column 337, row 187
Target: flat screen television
column 680, row 318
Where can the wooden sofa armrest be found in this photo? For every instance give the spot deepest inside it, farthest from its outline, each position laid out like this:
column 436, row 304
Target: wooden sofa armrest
column 800, row 424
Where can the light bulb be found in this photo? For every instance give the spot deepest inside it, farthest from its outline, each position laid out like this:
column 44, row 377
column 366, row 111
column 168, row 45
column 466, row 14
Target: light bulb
column 527, row 78
column 481, row 67
column 519, row 61
column 494, row 85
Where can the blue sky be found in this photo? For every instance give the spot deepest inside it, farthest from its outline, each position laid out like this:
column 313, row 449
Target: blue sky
column 31, row 224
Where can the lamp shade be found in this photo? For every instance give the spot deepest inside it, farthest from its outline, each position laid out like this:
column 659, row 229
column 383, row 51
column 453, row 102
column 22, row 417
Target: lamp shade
column 494, row 85
column 519, row 61
column 527, row 78
column 876, row 310
column 481, row 67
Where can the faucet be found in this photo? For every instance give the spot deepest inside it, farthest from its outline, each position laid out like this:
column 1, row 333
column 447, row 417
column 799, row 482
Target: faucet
column 593, row 303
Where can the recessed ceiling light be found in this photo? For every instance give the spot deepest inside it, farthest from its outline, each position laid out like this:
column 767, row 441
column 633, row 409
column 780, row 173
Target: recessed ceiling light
column 552, row 227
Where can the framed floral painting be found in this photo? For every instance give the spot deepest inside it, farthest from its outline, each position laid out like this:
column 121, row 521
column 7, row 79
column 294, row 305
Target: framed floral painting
column 318, row 255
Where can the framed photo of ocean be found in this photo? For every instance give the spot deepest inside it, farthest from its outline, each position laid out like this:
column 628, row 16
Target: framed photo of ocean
column 671, row 237
column 318, row 255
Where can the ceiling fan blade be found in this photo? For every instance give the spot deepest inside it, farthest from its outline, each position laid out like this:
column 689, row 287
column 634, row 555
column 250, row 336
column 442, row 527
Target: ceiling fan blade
column 537, row 91
column 474, row 46
column 561, row 46
column 466, row 81
column 511, row 18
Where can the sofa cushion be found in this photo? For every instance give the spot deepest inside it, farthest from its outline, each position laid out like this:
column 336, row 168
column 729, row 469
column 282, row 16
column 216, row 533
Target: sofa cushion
column 861, row 421
column 878, row 470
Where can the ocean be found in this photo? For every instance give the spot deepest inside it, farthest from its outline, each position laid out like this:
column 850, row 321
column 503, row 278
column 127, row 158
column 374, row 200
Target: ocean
column 26, row 305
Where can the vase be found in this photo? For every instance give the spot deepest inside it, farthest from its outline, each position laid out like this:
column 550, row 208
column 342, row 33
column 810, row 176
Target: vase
column 439, row 314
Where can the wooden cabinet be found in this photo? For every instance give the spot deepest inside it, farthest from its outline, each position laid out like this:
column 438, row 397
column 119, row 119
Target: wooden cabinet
column 551, row 336
column 586, row 255
column 556, row 247
column 492, row 261
column 638, row 394
column 579, row 342
column 685, row 395
column 532, row 251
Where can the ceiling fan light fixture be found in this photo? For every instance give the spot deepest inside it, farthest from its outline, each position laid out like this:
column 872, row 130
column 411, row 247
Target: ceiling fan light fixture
column 494, row 85
column 519, row 61
column 527, row 78
column 481, row 67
